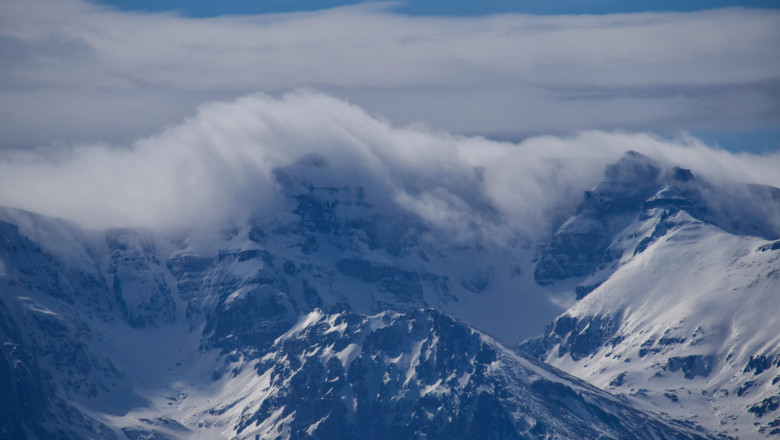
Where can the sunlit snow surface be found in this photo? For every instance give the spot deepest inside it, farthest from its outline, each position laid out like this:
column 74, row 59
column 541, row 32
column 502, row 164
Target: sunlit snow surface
column 678, row 325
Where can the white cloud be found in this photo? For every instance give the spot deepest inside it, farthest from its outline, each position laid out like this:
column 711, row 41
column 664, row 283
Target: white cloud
column 219, row 163
column 76, row 73
column 72, row 70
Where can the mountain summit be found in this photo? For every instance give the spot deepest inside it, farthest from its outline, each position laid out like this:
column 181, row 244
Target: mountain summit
column 678, row 284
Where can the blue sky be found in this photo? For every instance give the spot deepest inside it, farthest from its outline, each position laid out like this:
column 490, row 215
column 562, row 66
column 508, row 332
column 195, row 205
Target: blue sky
column 209, row 8
column 757, row 141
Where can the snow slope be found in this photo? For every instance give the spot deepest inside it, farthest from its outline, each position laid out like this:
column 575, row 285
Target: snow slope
column 683, row 315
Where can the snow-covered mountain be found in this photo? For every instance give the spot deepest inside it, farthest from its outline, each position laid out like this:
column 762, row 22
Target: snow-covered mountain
column 681, row 287
column 220, row 332
column 417, row 375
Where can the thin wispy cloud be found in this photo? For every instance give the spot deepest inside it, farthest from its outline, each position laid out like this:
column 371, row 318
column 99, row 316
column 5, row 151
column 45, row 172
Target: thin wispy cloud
column 73, row 70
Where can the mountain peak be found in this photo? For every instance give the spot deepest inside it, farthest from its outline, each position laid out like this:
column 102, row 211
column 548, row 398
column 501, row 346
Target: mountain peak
column 637, row 188
column 312, row 168
column 633, row 167
column 679, row 174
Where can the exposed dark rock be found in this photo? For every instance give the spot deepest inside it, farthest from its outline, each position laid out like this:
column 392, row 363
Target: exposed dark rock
column 405, row 285
column 758, row 365
column 577, row 337
column 770, row 247
column 617, row 380
column 139, row 283
column 250, row 319
column 745, row 387
column 189, row 271
column 767, row 405
column 691, row 366
column 583, row 291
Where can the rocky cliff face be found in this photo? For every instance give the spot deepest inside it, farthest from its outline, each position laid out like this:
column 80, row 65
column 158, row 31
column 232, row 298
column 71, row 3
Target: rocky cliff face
column 422, row 374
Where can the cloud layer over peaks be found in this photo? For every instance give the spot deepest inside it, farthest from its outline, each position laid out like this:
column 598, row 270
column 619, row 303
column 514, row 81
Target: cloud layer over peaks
column 218, row 164
column 71, row 70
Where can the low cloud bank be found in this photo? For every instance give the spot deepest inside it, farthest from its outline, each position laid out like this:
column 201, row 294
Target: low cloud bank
column 218, row 165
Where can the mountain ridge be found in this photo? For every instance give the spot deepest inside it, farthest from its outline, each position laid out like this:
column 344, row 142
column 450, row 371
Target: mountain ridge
column 84, row 308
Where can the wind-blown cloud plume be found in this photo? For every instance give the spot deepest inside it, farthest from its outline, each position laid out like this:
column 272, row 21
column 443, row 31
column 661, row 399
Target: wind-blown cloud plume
column 73, row 70
column 218, row 164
